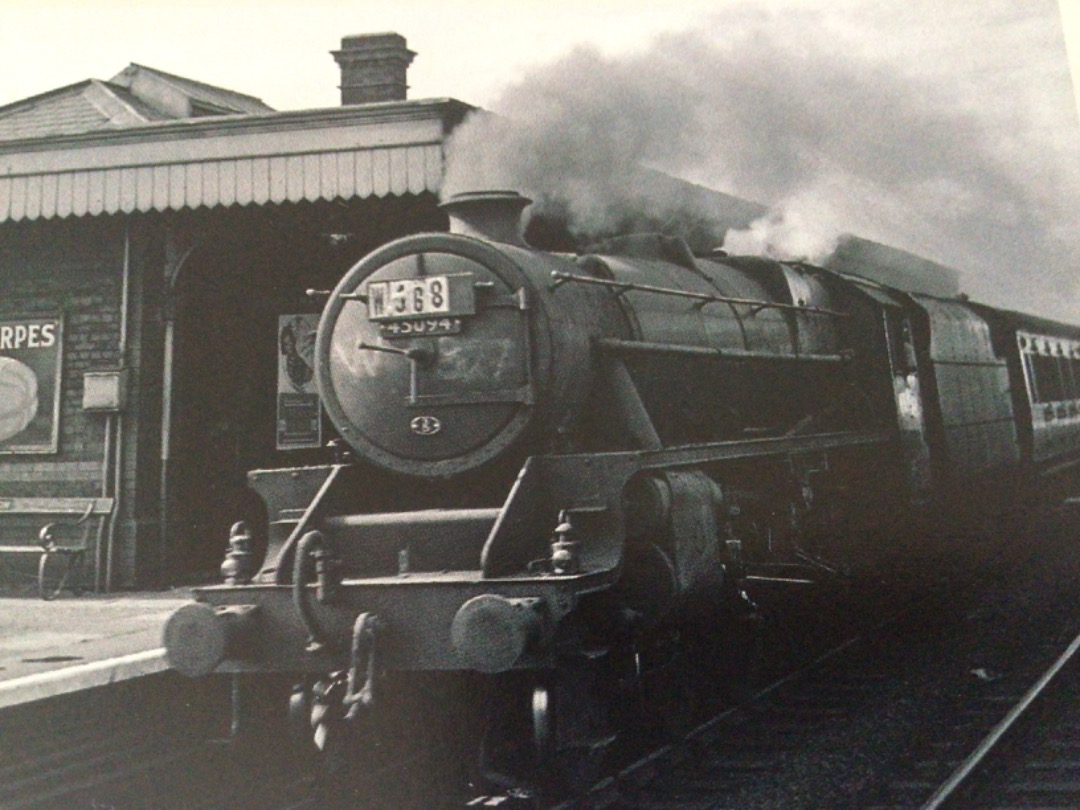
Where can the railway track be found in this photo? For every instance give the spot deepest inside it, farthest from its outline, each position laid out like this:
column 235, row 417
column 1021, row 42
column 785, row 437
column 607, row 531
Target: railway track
column 137, row 745
column 879, row 721
column 743, row 745
column 885, row 720
column 165, row 742
column 143, row 746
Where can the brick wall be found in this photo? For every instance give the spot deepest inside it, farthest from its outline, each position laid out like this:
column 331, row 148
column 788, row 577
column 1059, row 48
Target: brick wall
column 71, row 268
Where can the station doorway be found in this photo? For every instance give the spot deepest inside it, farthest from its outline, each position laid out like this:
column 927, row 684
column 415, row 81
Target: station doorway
column 222, row 421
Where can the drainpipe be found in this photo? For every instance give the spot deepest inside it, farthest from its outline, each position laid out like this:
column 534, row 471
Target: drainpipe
column 172, row 275
column 118, row 453
column 166, row 440
column 106, row 473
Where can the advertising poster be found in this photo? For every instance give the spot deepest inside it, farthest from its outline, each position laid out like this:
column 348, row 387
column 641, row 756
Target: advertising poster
column 299, row 422
column 30, row 354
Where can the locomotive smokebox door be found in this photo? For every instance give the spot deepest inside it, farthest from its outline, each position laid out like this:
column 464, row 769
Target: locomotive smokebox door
column 423, row 355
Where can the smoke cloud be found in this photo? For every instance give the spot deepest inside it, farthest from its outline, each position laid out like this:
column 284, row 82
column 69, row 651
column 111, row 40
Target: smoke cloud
column 875, row 123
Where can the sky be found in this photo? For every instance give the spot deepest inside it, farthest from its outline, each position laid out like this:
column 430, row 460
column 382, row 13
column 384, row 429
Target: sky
column 468, row 49
column 946, row 128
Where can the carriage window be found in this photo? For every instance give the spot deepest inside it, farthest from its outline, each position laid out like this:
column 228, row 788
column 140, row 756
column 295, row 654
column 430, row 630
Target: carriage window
column 1072, row 378
column 1048, row 382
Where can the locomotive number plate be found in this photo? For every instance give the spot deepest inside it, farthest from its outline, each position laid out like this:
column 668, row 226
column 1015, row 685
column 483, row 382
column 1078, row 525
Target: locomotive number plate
column 427, row 326
column 413, row 298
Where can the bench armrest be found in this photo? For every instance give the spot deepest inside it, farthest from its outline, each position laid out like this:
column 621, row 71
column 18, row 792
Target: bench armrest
column 47, row 538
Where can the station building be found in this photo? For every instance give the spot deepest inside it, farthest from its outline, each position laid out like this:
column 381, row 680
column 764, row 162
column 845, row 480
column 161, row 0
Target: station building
column 158, row 236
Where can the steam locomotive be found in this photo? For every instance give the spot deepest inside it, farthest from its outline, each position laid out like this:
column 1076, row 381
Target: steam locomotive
column 554, row 466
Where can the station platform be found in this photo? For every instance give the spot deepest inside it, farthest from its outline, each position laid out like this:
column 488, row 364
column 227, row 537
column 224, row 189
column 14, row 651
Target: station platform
column 75, row 643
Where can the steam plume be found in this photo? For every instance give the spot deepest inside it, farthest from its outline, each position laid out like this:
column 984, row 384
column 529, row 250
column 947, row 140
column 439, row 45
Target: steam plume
column 973, row 167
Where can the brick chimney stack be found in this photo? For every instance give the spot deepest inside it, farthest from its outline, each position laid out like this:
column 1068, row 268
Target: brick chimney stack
column 373, row 68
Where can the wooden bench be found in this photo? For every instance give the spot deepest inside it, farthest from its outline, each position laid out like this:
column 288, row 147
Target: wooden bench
column 74, row 531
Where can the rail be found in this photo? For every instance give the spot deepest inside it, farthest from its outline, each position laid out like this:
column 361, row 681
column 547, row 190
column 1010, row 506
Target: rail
column 962, row 776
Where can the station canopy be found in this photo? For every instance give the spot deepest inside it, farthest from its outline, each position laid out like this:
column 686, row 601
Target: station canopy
column 116, row 148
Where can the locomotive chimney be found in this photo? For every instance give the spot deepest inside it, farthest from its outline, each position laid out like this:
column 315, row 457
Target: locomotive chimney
column 373, row 68
column 492, row 215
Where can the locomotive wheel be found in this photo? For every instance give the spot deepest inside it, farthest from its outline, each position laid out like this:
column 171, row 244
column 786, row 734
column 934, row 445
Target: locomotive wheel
column 750, row 658
column 570, row 725
column 543, row 722
column 547, row 733
column 401, row 752
column 342, row 749
column 335, row 783
column 299, row 717
column 350, row 763
column 666, row 691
